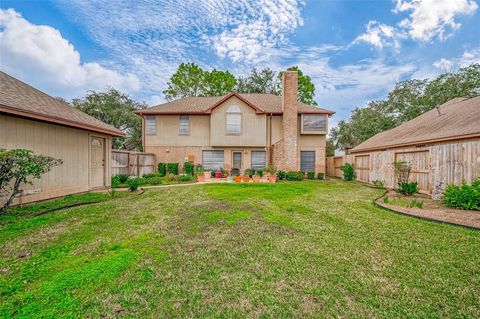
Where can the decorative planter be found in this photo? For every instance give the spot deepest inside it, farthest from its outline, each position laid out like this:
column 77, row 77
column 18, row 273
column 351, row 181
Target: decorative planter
column 229, row 179
column 237, row 179
column 256, row 179
column 245, row 179
column 201, row 177
column 207, row 175
column 218, row 174
column 272, row 179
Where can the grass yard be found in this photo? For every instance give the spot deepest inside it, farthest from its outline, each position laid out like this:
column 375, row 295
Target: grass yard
column 304, row 249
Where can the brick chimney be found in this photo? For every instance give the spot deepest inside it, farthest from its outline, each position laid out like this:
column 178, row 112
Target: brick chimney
column 290, row 114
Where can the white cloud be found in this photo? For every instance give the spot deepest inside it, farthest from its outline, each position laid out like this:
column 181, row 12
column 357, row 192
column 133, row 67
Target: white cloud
column 41, row 56
column 467, row 58
column 380, row 35
column 433, row 18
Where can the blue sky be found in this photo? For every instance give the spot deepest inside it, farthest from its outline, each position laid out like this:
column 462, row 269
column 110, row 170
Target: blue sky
column 354, row 50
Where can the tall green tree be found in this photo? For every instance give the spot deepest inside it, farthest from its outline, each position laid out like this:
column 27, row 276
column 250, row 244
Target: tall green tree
column 306, row 88
column 218, row 83
column 116, row 109
column 263, row 81
column 188, row 80
column 407, row 100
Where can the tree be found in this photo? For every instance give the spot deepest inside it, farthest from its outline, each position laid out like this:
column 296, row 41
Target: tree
column 330, row 148
column 407, row 100
column 263, row 81
column 116, row 109
column 18, row 167
column 218, row 83
column 188, row 80
column 306, row 88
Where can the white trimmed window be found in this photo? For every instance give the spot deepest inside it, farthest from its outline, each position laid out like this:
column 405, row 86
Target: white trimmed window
column 212, row 159
column 184, row 125
column 314, row 123
column 150, row 125
column 234, row 120
column 259, row 159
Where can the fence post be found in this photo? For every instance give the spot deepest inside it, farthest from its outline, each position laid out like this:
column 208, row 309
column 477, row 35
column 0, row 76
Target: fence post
column 138, row 165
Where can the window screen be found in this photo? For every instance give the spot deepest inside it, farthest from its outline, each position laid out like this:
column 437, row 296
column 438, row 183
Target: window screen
column 184, row 127
column 150, row 128
column 307, row 161
column 314, row 123
column 259, row 159
column 212, row 159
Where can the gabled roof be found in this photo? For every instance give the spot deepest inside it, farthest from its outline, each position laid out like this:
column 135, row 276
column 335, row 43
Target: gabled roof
column 459, row 119
column 262, row 103
column 19, row 98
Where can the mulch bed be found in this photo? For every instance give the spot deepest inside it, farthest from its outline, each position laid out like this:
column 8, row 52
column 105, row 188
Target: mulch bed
column 466, row 218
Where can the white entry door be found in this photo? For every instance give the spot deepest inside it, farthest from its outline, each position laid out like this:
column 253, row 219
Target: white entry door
column 97, row 161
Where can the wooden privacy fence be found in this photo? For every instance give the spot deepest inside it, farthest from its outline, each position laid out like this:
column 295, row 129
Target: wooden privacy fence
column 132, row 163
column 333, row 166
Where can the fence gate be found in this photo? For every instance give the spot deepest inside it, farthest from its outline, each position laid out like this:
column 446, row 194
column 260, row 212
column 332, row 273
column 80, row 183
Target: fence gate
column 362, row 167
column 420, row 163
column 132, row 163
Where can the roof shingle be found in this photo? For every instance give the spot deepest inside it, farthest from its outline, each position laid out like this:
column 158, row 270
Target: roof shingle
column 459, row 118
column 22, row 99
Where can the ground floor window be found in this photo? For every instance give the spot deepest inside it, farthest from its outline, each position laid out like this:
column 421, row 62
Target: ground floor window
column 307, row 161
column 212, row 159
column 259, row 159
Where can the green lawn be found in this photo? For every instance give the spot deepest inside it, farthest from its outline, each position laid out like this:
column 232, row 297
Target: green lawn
column 305, row 249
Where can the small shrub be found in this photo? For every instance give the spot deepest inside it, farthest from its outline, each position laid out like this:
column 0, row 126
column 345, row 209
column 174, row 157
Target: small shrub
column 281, row 175
column 295, row 176
column 172, row 168
column 171, row 177
column 321, row 176
column 156, row 180
column 133, row 184
column 408, row 188
column 270, row 169
column 378, row 183
column 259, row 172
column 122, row 178
column 150, row 175
column 416, row 203
column 212, row 172
column 464, row 196
column 188, row 168
column 385, row 200
column 162, row 169
column 185, row 178
column 402, row 171
column 311, row 175
column 199, row 169
column 349, row 173
column 249, row 172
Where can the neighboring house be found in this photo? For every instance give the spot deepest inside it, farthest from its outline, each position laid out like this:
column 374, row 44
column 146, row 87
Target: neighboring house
column 239, row 131
column 33, row 120
column 442, row 146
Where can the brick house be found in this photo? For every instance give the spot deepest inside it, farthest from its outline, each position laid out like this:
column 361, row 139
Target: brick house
column 239, row 130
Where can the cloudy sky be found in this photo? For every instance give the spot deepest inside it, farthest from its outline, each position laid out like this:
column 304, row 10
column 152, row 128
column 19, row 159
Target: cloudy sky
column 354, row 50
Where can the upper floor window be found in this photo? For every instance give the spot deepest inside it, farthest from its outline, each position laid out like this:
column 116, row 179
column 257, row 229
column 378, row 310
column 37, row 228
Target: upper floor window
column 234, row 120
column 150, row 125
column 184, row 126
column 314, row 123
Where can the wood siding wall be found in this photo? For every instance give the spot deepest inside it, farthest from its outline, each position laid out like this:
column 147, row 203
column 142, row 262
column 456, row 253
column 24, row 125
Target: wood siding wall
column 433, row 166
column 69, row 144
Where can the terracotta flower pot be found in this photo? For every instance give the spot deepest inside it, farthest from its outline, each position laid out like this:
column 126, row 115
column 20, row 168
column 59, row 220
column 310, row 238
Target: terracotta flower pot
column 201, row 177
column 237, row 179
column 256, row 179
column 245, row 179
column 207, row 175
column 272, row 179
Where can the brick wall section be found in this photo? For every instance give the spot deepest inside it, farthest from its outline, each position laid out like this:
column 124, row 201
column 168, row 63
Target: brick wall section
column 289, row 161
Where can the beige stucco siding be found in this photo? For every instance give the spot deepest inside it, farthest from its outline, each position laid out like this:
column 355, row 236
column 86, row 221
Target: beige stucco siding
column 167, row 131
column 69, row 144
column 253, row 131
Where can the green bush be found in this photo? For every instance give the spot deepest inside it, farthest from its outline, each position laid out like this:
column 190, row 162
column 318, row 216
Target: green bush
column 249, row 172
column 188, row 168
column 408, row 189
column 311, row 175
column 162, row 169
column 259, row 172
column 185, row 178
column 133, row 184
column 122, row 178
column 155, row 180
column 464, row 196
column 281, row 175
column 378, row 183
column 321, row 176
column 416, row 203
column 199, row 169
column 172, row 168
column 171, row 177
column 150, row 175
column 295, row 176
column 349, row 173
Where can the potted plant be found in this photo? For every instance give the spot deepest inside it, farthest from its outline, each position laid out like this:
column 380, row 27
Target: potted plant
column 207, row 175
column 245, row 179
column 200, row 173
column 218, row 173
column 271, row 170
column 237, row 179
column 256, row 178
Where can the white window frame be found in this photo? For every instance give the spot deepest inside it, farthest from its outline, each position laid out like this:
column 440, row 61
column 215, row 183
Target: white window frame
column 150, row 127
column 233, row 113
column 219, row 165
column 180, row 125
column 320, row 130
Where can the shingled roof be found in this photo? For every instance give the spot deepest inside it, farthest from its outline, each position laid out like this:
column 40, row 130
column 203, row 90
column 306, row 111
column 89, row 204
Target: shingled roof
column 264, row 103
column 19, row 98
column 459, row 119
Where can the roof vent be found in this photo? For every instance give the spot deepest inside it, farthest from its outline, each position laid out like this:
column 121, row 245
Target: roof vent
column 438, row 110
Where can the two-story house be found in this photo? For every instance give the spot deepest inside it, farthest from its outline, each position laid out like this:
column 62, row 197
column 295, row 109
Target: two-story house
column 239, row 130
